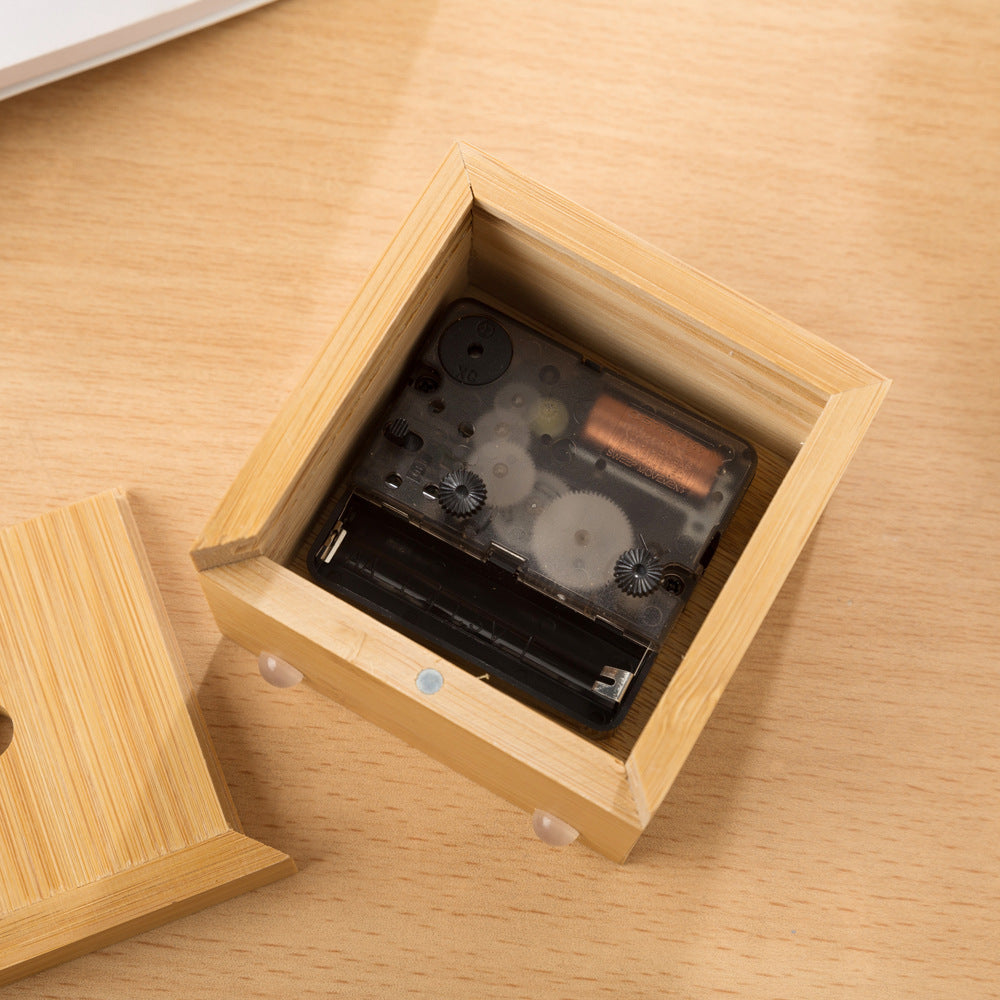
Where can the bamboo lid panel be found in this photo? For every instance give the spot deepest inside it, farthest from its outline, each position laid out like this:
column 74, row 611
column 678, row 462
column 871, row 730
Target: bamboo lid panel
column 113, row 814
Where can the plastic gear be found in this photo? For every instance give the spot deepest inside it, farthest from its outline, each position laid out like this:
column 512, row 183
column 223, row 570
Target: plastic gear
column 517, row 397
column 638, row 572
column 578, row 538
column 461, row 492
column 549, row 417
column 502, row 425
column 514, row 525
column 507, row 470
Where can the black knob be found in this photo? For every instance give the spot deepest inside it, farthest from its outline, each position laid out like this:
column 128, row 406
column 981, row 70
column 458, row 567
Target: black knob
column 398, row 432
column 475, row 350
column 638, row 572
column 461, row 492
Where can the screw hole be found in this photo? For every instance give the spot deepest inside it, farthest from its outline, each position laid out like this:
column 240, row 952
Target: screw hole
column 475, row 350
column 6, row 731
column 426, row 379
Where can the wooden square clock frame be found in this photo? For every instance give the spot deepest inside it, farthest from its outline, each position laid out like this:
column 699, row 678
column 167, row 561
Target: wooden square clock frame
column 482, row 229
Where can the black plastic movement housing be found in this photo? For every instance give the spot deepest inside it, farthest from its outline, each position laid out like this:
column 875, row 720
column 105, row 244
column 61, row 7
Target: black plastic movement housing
column 531, row 515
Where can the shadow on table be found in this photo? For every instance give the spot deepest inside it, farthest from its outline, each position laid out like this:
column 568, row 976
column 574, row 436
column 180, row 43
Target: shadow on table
column 702, row 805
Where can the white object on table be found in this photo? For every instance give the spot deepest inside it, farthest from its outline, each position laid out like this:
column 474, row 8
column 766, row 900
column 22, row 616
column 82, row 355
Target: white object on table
column 44, row 40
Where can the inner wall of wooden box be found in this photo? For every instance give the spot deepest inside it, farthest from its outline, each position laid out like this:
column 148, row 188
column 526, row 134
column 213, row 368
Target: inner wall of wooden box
column 573, row 299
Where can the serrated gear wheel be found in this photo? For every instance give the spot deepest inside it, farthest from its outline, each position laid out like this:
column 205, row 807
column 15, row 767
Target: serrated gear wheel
column 461, row 492
column 507, row 470
column 578, row 538
column 638, row 572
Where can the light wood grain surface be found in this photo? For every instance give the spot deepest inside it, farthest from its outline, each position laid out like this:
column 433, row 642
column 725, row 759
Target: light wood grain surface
column 178, row 233
column 114, row 817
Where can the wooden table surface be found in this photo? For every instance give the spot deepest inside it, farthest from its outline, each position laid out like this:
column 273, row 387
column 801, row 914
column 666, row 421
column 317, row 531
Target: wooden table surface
column 180, row 230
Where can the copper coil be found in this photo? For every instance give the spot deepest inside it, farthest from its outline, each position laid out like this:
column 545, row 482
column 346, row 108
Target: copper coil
column 651, row 447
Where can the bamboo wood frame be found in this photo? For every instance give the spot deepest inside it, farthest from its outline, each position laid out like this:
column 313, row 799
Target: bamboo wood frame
column 482, row 226
column 114, row 814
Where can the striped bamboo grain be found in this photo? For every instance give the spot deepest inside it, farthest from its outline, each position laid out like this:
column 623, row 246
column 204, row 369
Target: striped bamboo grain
column 485, row 229
column 108, row 772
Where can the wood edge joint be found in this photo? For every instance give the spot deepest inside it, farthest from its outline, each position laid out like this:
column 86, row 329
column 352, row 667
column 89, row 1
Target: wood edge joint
column 867, row 396
column 637, row 788
column 213, row 556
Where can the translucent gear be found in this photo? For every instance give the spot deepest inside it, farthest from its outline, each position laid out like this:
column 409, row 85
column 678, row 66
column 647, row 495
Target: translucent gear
column 549, row 417
column 578, row 538
column 638, row 572
column 506, row 469
column 503, row 425
column 518, row 397
column 461, row 492
column 514, row 526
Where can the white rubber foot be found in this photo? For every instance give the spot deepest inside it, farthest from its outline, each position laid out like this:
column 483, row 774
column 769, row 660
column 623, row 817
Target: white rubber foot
column 276, row 671
column 551, row 830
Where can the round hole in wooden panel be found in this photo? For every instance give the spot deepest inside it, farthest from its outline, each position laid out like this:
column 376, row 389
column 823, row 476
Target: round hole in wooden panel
column 6, row 731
